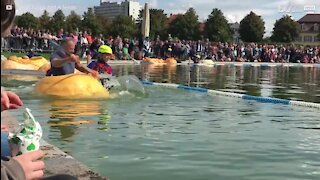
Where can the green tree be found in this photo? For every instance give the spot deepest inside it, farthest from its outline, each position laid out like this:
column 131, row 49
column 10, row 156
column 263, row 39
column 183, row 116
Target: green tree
column 176, row 26
column 90, row 22
column 104, row 25
column 73, row 21
column 44, row 20
column 158, row 23
column 58, row 21
column 217, row 27
column 266, row 40
column 27, row 20
column 285, row 30
column 186, row 26
column 252, row 28
column 123, row 26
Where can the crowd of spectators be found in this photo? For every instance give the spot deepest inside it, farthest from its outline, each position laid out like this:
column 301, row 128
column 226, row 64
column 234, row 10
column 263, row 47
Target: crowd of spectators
column 137, row 48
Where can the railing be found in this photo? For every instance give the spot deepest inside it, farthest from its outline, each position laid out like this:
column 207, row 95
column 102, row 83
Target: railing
column 24, row 44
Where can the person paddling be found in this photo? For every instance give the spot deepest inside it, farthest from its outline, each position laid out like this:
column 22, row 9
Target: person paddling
column 64, row 62
column 101, row 64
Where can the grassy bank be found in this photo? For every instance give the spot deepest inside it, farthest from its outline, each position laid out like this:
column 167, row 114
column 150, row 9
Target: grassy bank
column 7, row 54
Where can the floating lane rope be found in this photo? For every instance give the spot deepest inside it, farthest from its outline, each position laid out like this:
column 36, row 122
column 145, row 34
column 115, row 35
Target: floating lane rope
column 236, row 95
column 192, row 88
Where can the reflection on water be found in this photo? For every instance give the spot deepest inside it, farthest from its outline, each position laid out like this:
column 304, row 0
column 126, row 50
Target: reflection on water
column 20, row 80
column 7, row 78
column 166, row 72
column 67, row 115
column 296, row 83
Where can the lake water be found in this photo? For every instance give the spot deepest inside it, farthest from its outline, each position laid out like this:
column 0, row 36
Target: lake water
column 177, row 134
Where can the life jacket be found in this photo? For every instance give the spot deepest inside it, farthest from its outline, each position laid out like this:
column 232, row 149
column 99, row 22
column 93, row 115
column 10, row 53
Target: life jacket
column 102, row 67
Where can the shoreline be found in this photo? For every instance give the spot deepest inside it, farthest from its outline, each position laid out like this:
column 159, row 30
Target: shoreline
column 216, row 63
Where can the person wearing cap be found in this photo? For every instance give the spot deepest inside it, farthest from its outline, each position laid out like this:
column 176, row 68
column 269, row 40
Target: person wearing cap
column 168, row 48
column 196, row 58
column 101, row 65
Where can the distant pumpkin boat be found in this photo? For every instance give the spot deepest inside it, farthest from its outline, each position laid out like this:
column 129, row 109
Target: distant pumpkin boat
column 160, row 61
column 26, row 63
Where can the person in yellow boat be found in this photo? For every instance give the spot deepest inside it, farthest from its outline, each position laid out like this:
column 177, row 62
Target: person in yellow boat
column 64, row 62
column 101, row 64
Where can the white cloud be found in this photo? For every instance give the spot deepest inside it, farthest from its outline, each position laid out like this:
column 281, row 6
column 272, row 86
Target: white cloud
column 153, row 3
column 37, row 7
column 171, row 4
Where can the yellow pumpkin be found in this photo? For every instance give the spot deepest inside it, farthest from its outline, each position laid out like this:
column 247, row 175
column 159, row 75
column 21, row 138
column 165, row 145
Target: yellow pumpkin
column 65, row 123
column 11, row 64
column 36, row 57
column 45, row 67
column 71, row 86
column 161, row 61
column 206, row 62
column 13, row 57
column 40, row 61
column 35, row 63
column 170, row 61
column 147, row 60
column 154, row 60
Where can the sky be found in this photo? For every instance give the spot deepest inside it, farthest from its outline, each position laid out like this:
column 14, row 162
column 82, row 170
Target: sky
column 234, row 10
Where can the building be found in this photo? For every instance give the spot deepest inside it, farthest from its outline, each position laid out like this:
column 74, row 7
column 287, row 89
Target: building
column 172, row 17
column 112, row 9
column 235, row 29
column 309, row 30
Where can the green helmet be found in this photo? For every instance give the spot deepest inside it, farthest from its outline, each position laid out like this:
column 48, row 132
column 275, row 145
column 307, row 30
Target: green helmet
column 104, row 49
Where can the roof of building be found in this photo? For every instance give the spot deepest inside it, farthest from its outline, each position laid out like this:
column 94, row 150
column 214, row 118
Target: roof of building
column 202, row 26
column 172, row 17
column 310, row 18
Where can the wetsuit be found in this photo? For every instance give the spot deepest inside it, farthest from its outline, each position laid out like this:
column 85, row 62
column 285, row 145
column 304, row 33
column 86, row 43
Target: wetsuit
column 100, row 67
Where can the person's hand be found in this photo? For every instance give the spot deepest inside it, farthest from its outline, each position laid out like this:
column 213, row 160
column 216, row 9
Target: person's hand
column 4, row 128
column 31, row 165
column 9, row 100
column 94, row 74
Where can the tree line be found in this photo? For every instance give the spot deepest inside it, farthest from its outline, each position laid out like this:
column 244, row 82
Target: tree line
column 183, row 26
